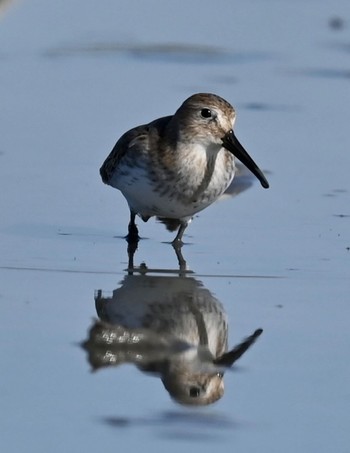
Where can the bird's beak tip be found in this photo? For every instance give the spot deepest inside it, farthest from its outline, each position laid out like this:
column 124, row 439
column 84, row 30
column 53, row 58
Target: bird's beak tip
column 231, row 143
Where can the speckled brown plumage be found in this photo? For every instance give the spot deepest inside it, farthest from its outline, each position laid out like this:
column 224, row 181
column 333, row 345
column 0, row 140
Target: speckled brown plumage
column 177, row 165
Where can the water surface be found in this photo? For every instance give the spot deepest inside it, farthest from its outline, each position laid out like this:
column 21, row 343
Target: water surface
column 74, row 77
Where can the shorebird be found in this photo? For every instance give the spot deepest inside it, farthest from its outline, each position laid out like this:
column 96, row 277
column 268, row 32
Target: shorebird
column 178, row 165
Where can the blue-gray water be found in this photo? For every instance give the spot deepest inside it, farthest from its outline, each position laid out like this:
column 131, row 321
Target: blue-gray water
column 74, row 76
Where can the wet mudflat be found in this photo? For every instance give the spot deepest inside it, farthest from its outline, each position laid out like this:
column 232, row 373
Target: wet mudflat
column 74, row 77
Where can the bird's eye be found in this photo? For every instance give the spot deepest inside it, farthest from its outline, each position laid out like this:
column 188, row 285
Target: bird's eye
column 220, row 375
column 206, row 113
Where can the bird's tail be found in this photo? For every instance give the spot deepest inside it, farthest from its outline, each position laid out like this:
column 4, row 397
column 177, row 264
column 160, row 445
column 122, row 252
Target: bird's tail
column 171, row 224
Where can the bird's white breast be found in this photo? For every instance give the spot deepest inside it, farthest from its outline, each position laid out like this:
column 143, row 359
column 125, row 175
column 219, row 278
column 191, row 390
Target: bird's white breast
column 198, row 178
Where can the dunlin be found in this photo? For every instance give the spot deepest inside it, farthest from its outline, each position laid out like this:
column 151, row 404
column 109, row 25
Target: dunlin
column 178, row 165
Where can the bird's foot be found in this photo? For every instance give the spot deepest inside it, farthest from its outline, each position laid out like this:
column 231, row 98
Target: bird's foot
column 177, row 244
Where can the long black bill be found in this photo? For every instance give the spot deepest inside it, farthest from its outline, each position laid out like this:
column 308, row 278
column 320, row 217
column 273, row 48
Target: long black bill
column 232, row 144
column 229, row 358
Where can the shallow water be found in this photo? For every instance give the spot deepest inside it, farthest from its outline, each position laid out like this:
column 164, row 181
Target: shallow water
column 74, row 76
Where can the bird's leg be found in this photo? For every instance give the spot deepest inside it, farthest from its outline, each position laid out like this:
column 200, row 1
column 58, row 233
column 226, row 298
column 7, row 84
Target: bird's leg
column 133, row 240
column 177, row 242
column 133, row 234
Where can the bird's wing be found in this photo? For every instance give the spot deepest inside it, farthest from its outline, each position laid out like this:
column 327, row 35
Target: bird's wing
column 136, row 138
column 140, row 138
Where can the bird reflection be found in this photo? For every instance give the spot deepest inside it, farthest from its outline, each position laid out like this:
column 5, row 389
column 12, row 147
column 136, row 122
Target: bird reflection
column 168, row 325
